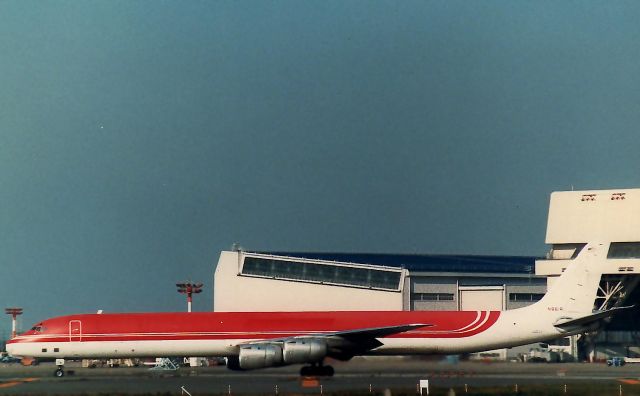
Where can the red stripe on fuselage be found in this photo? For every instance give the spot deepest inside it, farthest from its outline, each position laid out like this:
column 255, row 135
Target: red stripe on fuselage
column 256, row 325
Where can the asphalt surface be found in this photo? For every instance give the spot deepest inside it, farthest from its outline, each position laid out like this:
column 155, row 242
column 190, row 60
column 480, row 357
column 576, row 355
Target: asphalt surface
column 358, row 375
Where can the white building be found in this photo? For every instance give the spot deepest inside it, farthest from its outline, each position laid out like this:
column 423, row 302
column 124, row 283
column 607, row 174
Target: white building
column 246, row 281
column 249, row 281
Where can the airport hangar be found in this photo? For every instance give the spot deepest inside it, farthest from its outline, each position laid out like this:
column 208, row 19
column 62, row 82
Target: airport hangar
column 277, row 281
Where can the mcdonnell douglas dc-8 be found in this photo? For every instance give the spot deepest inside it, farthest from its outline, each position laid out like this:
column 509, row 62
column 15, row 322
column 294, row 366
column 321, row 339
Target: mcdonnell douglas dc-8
column 253, row 340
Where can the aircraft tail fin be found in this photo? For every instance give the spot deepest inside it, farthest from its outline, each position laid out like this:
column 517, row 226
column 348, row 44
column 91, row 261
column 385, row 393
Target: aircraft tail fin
column 575, row 291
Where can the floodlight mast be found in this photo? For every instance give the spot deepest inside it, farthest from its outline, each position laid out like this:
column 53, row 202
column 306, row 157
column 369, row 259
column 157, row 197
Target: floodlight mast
column 14, row 312
column 189, row 289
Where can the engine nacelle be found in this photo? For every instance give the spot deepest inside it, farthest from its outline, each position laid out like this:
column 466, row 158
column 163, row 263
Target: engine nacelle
column 255, row 357
column 304, row 351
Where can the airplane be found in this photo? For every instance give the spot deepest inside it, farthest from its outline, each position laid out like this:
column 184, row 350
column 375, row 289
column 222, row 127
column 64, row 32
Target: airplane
column 254, row 340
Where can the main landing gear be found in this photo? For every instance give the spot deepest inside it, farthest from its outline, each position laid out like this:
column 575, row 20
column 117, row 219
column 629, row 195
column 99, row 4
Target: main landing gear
column 317, row 370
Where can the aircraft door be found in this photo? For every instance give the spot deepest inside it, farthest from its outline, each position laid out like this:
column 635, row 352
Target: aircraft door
column 75, row 330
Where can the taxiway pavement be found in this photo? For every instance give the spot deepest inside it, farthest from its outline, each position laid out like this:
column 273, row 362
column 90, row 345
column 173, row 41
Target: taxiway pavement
column 358, row 375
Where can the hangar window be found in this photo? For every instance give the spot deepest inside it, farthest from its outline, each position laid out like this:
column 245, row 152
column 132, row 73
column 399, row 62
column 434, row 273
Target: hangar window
column 525, row 297
column 624, row 250
column 432, row 296
column 322, row 273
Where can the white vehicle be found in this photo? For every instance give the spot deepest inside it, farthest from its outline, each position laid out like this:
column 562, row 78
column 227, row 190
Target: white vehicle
column 543, row 354
column 553, row 351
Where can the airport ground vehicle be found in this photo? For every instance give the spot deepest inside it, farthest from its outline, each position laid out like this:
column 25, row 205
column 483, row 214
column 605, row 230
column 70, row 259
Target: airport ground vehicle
column 616, row 361
column 553, row 351
column 9, row 359
column 619, row 361
column 543, row 355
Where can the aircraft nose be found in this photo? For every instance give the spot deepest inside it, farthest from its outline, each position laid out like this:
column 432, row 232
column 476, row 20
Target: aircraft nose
column 13, row 349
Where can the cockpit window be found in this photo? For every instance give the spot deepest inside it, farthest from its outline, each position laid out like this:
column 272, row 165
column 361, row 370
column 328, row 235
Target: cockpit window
column 38, row 328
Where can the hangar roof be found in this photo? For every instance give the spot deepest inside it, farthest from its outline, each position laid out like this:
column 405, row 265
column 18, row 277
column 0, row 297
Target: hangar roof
column 429, row 262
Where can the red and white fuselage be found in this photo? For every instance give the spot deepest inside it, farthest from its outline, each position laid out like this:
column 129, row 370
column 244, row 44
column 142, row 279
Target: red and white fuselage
column 220, row 334
column 225, row 333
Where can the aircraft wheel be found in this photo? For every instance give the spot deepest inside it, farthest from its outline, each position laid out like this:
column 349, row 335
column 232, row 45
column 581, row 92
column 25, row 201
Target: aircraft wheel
column 326, row 371
column 59, row 373
column 319, row 371
column 306, row 371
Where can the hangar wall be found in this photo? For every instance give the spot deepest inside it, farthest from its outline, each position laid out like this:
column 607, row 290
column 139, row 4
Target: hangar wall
column 580, row 217
column 434, row 292
column 596, row 215
column 245, row 281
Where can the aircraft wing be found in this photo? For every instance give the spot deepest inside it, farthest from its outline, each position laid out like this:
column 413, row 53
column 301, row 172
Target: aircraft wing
column 345, row 344
column 351, row 340
column 589, row 319
column 376, row 332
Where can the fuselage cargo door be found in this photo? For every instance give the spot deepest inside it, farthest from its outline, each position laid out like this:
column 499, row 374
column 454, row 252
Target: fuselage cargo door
column 75, row 330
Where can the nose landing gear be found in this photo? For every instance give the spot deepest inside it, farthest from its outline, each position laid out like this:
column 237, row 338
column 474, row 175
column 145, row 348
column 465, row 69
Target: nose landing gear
column 60, row 370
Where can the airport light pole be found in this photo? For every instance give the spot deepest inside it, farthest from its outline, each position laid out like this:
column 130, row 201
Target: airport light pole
column 189, row 289
column 14, row 312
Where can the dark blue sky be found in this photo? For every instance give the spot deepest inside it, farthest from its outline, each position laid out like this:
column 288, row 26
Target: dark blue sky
column 138, row 139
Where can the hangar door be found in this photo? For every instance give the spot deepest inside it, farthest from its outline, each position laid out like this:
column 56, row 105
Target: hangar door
column 481, row 298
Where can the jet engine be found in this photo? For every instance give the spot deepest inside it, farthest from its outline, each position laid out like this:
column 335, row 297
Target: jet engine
column 269, row 355
column 304, row 351
column 255, row 357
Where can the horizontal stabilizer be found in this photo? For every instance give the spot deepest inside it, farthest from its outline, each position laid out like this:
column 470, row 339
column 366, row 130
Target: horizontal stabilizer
column 589, row 319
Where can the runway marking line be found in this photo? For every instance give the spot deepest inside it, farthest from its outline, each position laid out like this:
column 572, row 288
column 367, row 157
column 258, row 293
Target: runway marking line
column 10, row 384
column 629, row 381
